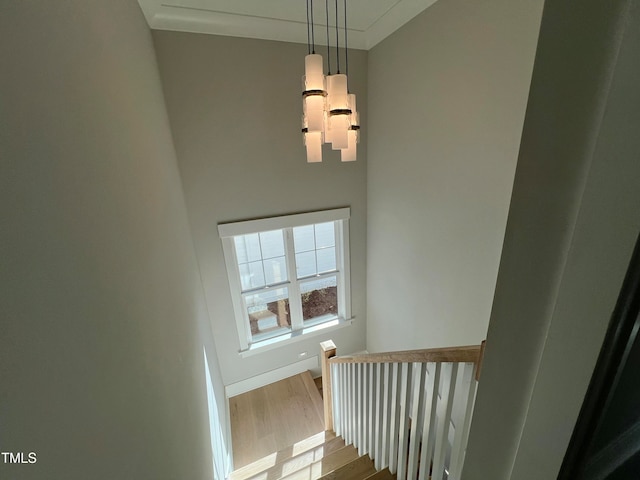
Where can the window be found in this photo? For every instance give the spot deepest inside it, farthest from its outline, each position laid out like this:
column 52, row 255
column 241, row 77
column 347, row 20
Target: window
column 288, row 275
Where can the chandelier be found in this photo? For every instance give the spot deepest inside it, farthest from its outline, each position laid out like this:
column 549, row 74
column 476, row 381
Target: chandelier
column 329, row 109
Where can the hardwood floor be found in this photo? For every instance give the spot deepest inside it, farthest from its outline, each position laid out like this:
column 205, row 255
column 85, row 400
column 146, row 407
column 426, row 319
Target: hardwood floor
column 274, row 417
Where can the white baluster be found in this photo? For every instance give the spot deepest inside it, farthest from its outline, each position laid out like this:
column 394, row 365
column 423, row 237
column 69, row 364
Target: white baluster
column 342, row 403
column 365, row 408
column 417, row 419
column 432, row 384
column 347, row 413
column 386, row 415
column 372, row 408
column 394, row 420
column 445, row 405
column 463, row 423
column 403, row 441
column 335, row 373
column 350, row 419
column 359, row 417
column 354, row 404
column 379, row 404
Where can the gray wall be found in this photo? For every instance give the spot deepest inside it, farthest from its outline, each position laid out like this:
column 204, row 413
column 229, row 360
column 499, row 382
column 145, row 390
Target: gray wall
column 102, row 316
column 447, row 95
column 573, row 222
column 240, row 153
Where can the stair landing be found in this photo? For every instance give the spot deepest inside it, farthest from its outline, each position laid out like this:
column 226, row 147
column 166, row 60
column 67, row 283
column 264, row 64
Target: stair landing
column 278, row 433
column 272, row 418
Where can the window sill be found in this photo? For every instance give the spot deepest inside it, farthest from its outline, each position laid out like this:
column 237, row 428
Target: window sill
column 293, row 337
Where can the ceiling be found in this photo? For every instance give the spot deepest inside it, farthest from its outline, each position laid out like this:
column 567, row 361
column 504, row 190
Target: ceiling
column 368, row 21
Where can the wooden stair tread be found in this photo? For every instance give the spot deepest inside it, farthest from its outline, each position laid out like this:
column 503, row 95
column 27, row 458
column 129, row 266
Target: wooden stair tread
column 283, row 455
column 384, row 474
column 320, row 457
column 357, row 469
column 293, row 464
column 325, row 465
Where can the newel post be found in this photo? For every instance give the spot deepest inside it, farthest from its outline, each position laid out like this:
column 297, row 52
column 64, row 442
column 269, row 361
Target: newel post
column 328, row 349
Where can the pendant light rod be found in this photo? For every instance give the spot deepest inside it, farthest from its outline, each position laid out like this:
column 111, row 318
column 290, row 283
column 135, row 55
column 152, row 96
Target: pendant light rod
column 308, row 31
column 313, row 40
column 326, row 9
column 346, row 46
column 337, row 40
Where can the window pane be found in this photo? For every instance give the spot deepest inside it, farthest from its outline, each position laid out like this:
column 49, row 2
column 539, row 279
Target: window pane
column 245, row 276
column 268, row 313
column 306, row 264
column 320, row 299
column 325, row 235
column 241, row 249
column 252, row 245
column 275, row 270
column 272, row 244
column 256, row 275
column 303, row 238
column 261, row 259
column 326, row 260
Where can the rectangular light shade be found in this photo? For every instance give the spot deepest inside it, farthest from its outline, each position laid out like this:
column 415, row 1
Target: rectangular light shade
column 314, row 76
column 337, row 91
column 313, row 142
column 339, row 125
column 314, row 110
column 355, row 118
column 349, row 154
column 351, row 101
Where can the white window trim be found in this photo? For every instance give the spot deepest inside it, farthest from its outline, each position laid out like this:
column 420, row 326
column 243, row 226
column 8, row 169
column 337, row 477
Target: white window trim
column 292, row 337
column 229, row 230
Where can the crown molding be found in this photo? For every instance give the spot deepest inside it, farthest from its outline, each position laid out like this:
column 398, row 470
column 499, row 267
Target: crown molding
column 163, row 15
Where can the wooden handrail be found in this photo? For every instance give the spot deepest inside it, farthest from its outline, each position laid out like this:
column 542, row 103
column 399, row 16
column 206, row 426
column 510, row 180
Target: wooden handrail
column 480, row 359
column 466, row 354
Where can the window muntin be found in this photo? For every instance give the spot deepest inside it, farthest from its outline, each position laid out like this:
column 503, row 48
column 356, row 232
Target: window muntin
column 261, row 259
column 287, row 273
column 315, row 247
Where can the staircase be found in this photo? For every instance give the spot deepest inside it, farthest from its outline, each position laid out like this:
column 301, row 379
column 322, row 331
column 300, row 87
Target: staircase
column 401, row 415
column 410, row 411
column 322, row 456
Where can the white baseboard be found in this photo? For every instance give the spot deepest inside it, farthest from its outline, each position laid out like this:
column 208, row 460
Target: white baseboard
column 272, row 376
